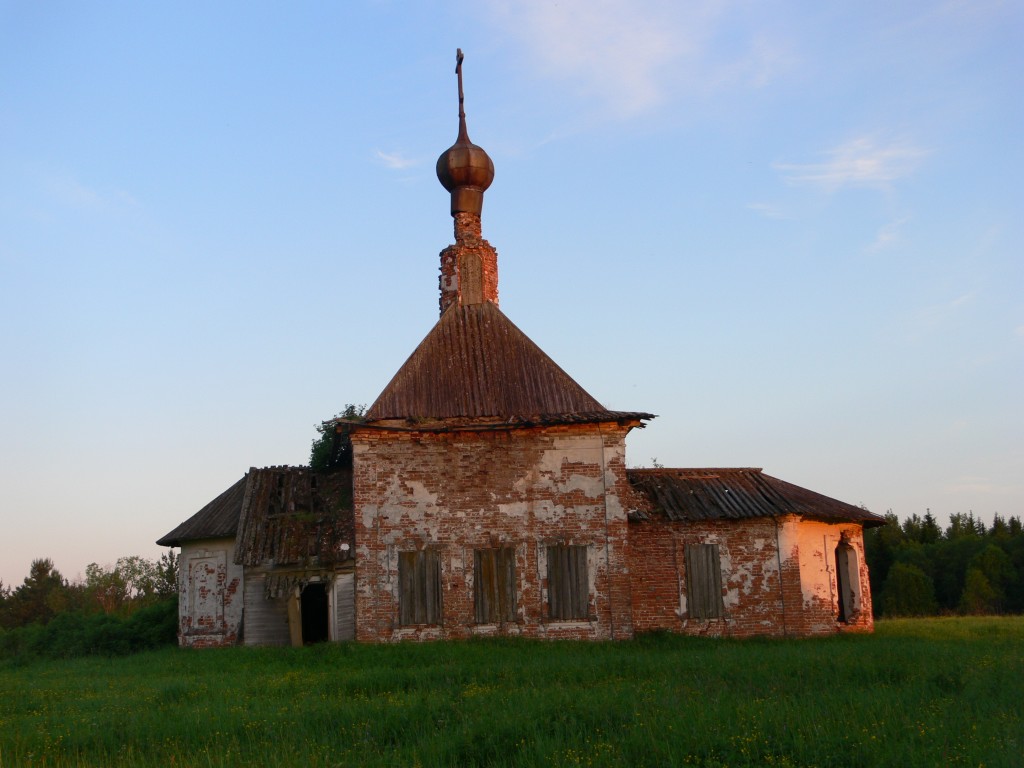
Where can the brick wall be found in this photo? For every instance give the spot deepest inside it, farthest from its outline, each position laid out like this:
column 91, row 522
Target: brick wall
column 469, row 268
column 460, row 491
column 210, row 594
column 813, row 545
column 778, row 578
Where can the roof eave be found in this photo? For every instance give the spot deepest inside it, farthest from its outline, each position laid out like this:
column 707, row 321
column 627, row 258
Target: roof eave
column 627, row 419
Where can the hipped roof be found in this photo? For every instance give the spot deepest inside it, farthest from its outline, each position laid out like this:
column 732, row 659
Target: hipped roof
column 475, row 364
column 693, row 495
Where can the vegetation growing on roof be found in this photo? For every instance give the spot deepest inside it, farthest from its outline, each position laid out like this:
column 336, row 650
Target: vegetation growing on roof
column 332, row 448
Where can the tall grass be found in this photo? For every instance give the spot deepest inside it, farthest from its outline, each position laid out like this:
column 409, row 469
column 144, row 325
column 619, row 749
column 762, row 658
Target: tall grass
column 918, row 692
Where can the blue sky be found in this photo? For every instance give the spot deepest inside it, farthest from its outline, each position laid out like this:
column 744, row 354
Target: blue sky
column 792, row 230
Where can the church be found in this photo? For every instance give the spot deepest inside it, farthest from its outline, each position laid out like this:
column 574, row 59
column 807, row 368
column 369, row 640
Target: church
column 486, row 493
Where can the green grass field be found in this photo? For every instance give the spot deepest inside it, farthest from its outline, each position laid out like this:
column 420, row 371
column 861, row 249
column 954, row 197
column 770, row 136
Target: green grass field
column 927, row 692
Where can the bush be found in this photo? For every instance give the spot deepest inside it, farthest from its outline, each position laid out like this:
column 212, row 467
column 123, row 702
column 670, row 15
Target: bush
column 908, row 591
column 979, row 596
column 74, row 634
column 154, row 626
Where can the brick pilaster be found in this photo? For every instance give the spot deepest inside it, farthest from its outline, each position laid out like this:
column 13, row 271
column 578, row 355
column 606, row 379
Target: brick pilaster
column 469, row 268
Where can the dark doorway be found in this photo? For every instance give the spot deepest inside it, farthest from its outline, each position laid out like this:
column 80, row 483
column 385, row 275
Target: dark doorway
column 314, row 613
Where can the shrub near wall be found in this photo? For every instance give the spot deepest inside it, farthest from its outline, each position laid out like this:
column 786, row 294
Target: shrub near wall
column 75, row 634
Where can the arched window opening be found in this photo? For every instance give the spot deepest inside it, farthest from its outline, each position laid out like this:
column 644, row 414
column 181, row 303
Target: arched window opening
column 847, row 581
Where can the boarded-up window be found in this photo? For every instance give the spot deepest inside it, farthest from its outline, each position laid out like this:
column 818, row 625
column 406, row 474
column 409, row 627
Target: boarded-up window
column 494, row 585
column 568, row 583
column 419, row 587
column 847, row 582
column 703, row 581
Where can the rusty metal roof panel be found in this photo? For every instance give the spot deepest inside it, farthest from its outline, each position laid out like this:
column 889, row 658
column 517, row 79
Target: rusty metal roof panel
column 475, row 363
column 217, row 520
column 735, row 494
column 293, row 516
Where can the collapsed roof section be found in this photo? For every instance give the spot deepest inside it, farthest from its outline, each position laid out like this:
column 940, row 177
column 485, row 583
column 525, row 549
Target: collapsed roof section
column 295, row 517
column 279, row 517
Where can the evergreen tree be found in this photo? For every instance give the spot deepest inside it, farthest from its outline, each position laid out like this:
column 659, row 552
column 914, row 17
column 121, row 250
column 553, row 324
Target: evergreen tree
column 930, row 531
column 998, row 570
column 39, row 598
column 880, row 547
column 947, row 557
column 908, row 591
column 979, row 597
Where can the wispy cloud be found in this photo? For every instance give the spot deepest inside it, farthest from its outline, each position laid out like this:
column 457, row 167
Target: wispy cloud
column 621, row 52
column 395, row 160
column 861, row 162
column 768, row 210
column 972, row 11
column 932, row 318
column 71, row 192
column 765, row 61
column 888, row 235
column 974, row 485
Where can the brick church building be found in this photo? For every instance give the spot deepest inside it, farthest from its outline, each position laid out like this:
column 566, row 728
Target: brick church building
column 485, row 492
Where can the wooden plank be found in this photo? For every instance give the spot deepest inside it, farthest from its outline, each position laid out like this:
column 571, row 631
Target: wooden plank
column 717, row 604
column 506, row 586
column 406, row 587
column 846, row 574
column 483, row 586
column 568, row 582
column 266, row 619
column 419, row 587
column 555, row 582
column 703, row 581
column 432, row 579
column 580, row 594
column 294, row 619
column 345, row 606
column 494, row 586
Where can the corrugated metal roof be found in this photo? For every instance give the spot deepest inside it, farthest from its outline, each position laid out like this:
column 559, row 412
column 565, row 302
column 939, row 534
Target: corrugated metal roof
column 475, row 363
column 293, row 516
column 217, row 520
column 724, row 494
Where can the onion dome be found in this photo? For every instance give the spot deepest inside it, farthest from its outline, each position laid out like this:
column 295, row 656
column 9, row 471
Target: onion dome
column 465, row 169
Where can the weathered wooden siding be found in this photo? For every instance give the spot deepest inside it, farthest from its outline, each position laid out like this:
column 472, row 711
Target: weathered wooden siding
column 344, row 607
column 266, row 620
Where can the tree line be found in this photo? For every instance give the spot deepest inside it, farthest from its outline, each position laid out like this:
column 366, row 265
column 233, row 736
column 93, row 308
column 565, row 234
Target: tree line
column 920, row 569
column 121, row 608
